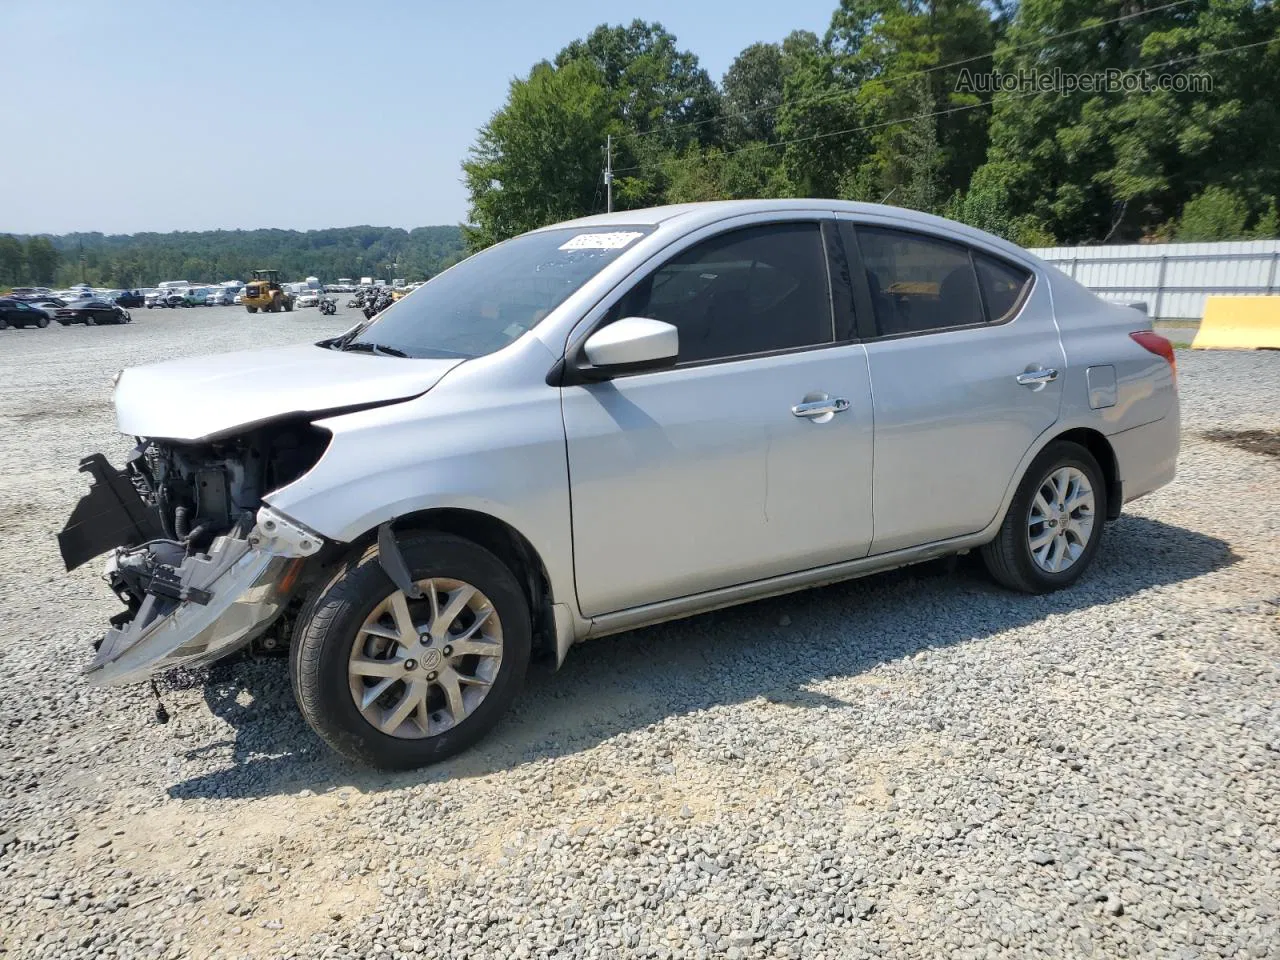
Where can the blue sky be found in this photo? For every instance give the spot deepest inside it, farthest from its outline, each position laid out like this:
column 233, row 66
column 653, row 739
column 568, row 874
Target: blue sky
column 131, row 115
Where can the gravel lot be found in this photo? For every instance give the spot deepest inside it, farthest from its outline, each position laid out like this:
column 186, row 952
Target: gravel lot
column 915, row 764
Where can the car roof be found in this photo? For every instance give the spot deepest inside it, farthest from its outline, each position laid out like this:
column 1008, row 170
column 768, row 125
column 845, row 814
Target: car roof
column 691, row 216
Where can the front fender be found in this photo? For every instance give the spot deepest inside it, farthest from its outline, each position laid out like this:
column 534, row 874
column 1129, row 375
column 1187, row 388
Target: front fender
column 488, row 438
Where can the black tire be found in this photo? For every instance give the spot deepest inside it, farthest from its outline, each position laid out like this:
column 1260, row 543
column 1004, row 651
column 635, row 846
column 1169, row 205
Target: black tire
column 1008, row 557
column 89, row 321
column 4, row 324
column 150, row 305
column 318, row 658
column 288, row 306
column 42, row 322
column 252, row 309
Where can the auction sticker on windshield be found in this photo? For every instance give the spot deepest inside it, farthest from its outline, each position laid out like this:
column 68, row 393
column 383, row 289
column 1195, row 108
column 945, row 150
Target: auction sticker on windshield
column 600, row 241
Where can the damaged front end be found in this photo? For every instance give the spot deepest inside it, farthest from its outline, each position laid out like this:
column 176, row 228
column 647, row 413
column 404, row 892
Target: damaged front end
column 202, row 566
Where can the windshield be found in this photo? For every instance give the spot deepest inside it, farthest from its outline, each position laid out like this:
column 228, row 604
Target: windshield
column 494, row 297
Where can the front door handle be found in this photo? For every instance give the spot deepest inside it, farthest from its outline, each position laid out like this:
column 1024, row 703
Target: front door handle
column 820, row 408
column 1037, row 378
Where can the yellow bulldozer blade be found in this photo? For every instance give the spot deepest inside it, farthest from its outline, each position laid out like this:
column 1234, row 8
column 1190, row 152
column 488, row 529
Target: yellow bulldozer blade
column 1239, row 323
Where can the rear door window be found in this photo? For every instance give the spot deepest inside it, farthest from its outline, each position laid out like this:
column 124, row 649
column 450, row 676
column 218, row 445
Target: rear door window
column 918, row 283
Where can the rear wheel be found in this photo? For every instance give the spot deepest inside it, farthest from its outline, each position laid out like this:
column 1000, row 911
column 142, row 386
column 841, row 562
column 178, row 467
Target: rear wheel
column 288, row 306
column 1054, row 525
column 4, row 324
column 89, row 321
column 42, row 322
column 252, row 309
column 398, row 682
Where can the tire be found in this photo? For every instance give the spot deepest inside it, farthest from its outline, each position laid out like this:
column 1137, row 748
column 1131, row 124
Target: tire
column 1009, row 557
column 288, row 306
column 252, row 309
column 327, row 631
column 275, row 303
column 150, row 305
column 42, row 322
column 4, row 324
column 89, row 321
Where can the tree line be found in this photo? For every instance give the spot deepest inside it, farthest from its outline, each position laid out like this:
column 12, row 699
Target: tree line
column 889, row 105
column 144, row 259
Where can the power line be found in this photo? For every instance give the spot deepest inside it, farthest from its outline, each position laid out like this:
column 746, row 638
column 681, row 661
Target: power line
column 936, row 113
column 821, row 98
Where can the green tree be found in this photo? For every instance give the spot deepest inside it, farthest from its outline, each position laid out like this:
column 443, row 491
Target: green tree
column 922, row 167
column 42, row 260
column 894, row 52
column 753, row 92
column 986, row 205
column 1222, row 214
column 654, row 87
column 818, row 106
column 538, row 159
column 1117, row 165
column 13, row 260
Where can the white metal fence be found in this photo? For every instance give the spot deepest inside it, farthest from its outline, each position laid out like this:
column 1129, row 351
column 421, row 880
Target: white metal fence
column 1172, row 278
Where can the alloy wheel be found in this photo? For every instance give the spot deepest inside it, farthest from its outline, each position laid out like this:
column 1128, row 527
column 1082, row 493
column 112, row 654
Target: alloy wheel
column 1061, row 519
column 420, row 666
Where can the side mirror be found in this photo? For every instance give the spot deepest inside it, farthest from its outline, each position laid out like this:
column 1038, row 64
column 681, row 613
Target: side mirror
column 630, row 345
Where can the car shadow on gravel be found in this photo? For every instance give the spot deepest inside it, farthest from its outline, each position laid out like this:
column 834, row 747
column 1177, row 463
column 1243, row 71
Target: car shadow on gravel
column 774, row 649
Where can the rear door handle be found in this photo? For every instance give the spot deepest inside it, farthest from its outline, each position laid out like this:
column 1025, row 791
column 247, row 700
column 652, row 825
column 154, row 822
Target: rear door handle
column 820, row 408
column 1037, row 378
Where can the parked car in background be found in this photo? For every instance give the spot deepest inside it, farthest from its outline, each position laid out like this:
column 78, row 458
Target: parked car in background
column 130, row 298
column 165, row 298
column 220, row 297
column 29, row 293
column 48, row 304
column 238, row 299
column 194, row 296
column 91, row 312
column 21, row 313
column 307, row 298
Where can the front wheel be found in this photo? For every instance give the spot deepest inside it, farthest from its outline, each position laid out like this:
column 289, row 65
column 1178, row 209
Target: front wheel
column 1054, row 525
column 399, row 682
column 252, row 309
column 42, row 322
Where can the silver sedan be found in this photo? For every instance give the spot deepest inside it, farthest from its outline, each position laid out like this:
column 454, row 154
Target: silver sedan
column 608, row 423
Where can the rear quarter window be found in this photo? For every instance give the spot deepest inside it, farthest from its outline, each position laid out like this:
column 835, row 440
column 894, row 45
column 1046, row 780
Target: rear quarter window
column 1004, row 286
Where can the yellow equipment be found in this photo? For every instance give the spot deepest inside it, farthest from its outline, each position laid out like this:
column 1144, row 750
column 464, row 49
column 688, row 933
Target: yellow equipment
column 1239, row 323
column 264, row 293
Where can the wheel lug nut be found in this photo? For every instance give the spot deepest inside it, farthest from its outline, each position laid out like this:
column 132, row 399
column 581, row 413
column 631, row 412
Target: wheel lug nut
column 447, row 651
column 432, row 675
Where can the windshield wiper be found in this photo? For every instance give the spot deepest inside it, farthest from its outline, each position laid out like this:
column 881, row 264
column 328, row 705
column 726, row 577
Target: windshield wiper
column 364, row 346
column 338, row 342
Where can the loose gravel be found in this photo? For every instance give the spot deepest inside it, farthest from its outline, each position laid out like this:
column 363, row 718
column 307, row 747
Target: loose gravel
column 915, row 764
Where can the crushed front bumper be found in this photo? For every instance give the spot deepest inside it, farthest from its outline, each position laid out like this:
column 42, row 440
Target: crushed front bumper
column 214, row 604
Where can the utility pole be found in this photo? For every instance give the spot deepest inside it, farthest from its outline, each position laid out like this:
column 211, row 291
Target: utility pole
column 608, row 172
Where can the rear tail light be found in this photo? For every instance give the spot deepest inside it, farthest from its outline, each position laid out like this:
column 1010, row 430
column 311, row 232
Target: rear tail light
column 1154, row 343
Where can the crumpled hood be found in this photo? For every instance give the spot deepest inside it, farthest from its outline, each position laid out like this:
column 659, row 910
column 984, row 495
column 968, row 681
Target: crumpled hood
column 202, row 398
